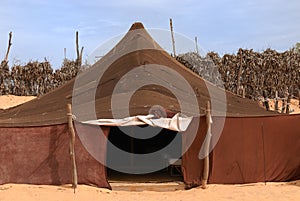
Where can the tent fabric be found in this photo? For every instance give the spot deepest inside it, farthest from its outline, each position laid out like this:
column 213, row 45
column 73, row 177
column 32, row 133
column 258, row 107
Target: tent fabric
column 176, row 123
column 249, row 150
column 40, row 155
column 135, row 50
column 192, row 166
column 264, row 151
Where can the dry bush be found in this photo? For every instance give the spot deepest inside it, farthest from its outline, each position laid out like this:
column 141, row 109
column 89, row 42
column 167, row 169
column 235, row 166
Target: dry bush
column 267, row 72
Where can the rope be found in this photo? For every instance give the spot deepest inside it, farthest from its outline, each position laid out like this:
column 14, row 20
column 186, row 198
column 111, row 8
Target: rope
column 73, row 116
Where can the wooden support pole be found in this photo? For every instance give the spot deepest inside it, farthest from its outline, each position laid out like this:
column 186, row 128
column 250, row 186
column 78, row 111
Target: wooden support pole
column 72, row 146
column 288, row 103
column 285, row 101
column 283, row 106
column 276, row 101
column 8, row 48
column 172, row 35
column 79, row 53
column 196, row 42
column 299, row 98
column 243, row 92
column 65, row 53
column 206, row 147
column 77, row 45
column 239, row 73
column 266, row 100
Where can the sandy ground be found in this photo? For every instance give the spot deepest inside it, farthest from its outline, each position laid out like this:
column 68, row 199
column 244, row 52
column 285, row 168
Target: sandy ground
column 294, row 106
column 260, row 191
column 8, row 101
column 280, row 191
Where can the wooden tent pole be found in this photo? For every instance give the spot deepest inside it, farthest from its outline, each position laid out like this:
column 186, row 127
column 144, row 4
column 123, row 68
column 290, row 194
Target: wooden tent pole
column 172, row 35
column 276, row 101
column 196, row 42
column 65, row 53
column 77, row 47
column 78, row 53
column 288, row 103
column 299, row 97
column 283, row 105
column 72, row 146
column 206, row 146
column 239, row 75
column 8, row 48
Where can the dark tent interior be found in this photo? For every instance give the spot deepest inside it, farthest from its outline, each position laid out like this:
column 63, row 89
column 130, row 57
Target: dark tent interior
column 139, row 140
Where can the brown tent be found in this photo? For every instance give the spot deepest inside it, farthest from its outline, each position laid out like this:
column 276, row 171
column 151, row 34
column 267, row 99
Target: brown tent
column 254, row 145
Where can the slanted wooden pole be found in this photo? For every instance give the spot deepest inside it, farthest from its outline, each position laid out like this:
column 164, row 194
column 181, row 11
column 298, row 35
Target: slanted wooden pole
column 206, row 146
column 72, row 146
column 8, row 48
column 172, row 35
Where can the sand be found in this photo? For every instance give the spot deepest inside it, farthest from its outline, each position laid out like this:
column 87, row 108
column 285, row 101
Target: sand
column 294, row 106
column 271, row 191
column 263, row 192
column 8, row 101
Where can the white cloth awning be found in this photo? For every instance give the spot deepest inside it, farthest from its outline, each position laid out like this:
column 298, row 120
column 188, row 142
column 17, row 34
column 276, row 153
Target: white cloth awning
column 176, row 123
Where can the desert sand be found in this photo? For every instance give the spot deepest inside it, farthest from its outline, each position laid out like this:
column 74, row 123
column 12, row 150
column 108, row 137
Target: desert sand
column 264, row 192
column 271, row 191
column 294, row 106
column 7, row 101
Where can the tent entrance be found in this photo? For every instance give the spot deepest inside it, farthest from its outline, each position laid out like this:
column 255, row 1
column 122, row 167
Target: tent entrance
column 142, row 141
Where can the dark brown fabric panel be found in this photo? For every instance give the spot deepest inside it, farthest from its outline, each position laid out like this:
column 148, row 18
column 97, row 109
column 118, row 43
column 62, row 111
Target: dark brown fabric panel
column 238, row 155
column 282, row 147
column 40, row 155
column 192, row 166
column 94, row 172
column 35, row 155
column 257, row 149
column 250, row 149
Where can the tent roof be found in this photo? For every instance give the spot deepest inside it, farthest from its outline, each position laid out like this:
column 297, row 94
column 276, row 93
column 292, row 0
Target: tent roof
column 137, row 50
